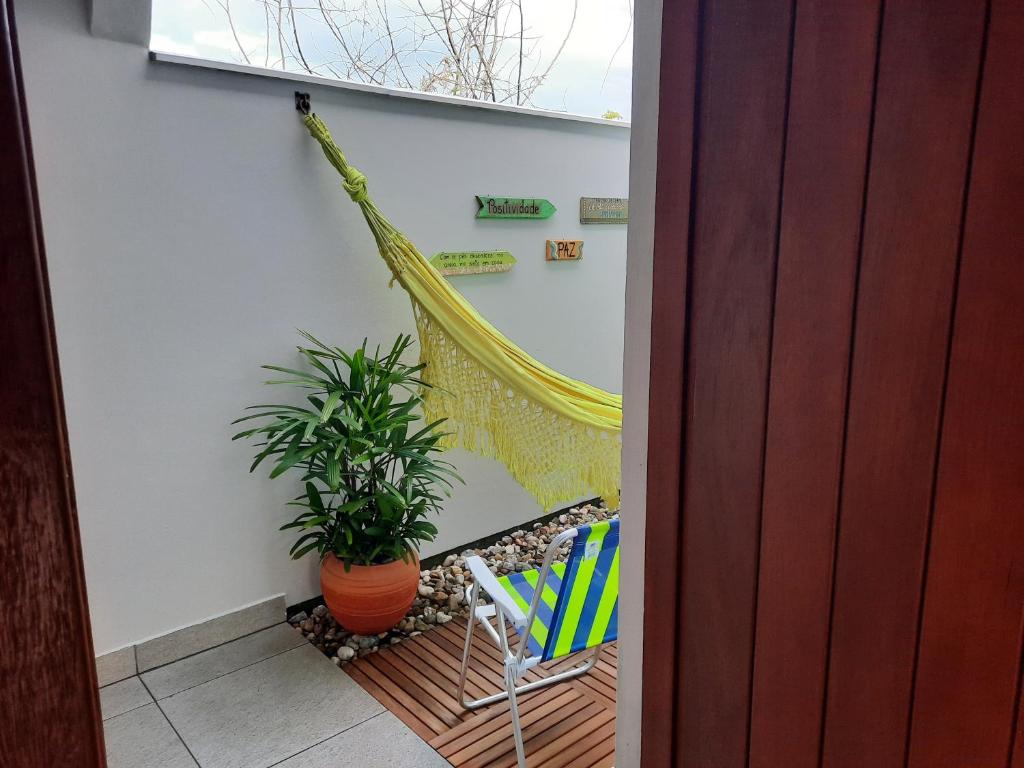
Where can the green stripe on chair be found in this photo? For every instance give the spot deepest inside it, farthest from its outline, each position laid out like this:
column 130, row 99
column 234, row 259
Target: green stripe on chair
column 609, row 598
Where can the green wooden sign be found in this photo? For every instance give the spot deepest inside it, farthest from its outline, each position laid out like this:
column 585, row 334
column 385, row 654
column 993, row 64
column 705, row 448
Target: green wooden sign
column 513, row 207
column 604, row 210
column 472, row 262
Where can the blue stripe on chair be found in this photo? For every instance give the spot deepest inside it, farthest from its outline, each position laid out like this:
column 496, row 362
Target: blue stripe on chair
column 563, row 594
column 522, row 586
column 596, row 590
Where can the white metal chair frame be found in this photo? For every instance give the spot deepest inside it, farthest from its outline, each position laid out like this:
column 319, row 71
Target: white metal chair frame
column 517, row 663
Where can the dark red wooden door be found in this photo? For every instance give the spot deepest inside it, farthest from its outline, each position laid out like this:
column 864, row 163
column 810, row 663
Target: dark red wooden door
column 49, row 706
column 836, row 484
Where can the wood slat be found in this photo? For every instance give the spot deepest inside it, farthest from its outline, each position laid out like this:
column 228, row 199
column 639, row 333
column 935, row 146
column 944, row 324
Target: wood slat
column 393, row 703
column 925, row 95
column 567, row 724
column 408, row 701
column 598, row 734
column 488, row 720
column 670, row 264
column 823, row 187
column 548, row 746
column 441, row 696
column 969, row 648
column 744, row 76
column 594, row 694
column 499, row 746
column 1017, row 758
column 598, row 756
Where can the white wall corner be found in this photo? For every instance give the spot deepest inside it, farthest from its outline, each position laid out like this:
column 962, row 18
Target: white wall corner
column 127, row 21
column 643, row 174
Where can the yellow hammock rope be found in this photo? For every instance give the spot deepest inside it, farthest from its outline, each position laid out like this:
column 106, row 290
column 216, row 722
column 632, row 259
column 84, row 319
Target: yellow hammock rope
column 559, row 437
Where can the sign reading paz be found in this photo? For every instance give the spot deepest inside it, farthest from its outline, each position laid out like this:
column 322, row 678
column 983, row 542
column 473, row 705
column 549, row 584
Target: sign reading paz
column 513, row 207
column 604, row 210
column 564, row 250
column 472, row 262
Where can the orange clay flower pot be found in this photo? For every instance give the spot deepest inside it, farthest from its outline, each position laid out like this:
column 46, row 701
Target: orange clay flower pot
column 368, row 599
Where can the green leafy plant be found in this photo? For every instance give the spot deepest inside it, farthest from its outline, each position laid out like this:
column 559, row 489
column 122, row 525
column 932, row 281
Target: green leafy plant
column 370, row 479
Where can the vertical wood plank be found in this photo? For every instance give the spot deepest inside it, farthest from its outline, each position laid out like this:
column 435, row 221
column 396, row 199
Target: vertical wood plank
column 829, row 123
column 1017, row 748
column 49, row 706
column 668, row 332
column 969, row 650
column 742, row 104
column 929, row 58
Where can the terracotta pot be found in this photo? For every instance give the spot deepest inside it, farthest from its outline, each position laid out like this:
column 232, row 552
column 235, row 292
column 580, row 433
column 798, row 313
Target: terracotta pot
column 368, row 599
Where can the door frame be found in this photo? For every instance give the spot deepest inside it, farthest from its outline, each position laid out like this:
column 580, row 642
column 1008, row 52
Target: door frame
column 49, row 702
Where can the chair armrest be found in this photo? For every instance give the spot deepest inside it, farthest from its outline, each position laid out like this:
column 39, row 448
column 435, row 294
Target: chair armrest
column 489, row 583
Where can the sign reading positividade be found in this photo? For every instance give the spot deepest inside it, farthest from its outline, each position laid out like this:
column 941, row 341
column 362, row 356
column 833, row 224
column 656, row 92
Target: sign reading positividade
column 472, row 262
column 604, row 210
column 564, row 250
column 513, row 207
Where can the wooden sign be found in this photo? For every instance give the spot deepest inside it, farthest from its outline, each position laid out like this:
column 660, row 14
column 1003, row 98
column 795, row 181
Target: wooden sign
column 472, row 262
column 513, row 208
column 564, row 250
column 604, row 210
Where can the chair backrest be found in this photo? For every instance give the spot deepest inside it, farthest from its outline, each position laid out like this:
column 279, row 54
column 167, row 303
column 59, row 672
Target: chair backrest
column 586, row 611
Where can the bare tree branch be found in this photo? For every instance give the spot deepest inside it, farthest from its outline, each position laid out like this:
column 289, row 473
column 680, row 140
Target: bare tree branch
column 622, row 42
column 481, row 49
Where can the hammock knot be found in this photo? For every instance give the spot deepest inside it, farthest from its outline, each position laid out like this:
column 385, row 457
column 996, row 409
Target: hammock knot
column 355, row 184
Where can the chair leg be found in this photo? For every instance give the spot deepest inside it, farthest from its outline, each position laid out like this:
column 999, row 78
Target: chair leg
column 576, row 671
column 470, row 626
column 513, row 703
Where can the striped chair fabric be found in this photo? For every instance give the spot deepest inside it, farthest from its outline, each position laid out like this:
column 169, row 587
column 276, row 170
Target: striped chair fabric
column 579, row 606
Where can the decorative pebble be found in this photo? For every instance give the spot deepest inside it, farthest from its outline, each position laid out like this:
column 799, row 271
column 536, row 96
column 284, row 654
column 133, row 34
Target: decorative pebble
column 441, row 592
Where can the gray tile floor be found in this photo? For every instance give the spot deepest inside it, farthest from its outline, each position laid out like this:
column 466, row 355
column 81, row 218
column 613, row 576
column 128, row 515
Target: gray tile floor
column 268, row 699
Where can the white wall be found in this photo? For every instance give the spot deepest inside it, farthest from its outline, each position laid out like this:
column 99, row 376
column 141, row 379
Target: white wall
column 191, row 225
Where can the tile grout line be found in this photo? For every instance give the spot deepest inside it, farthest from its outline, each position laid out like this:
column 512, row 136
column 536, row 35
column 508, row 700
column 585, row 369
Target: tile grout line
column 168, row 721
column 204, row 650
column 224, row 674
column 140, row 706
column 333, row 735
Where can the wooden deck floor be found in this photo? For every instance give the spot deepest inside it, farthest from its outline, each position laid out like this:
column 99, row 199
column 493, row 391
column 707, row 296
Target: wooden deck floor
column 568, row 724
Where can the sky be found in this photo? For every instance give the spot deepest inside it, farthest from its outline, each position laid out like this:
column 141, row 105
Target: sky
column 591, row 76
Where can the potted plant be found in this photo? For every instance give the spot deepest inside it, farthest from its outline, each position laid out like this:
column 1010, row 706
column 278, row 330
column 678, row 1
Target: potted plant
column 371, row 477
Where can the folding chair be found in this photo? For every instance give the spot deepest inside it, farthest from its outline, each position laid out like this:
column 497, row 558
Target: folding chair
column 576, row 609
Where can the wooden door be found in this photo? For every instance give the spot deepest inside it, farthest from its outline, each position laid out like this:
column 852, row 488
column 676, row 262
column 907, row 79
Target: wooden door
column 835, row 520
column 49, row 706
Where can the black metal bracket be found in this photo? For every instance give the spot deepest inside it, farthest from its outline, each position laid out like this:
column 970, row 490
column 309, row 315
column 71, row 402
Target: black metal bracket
column 302, row 102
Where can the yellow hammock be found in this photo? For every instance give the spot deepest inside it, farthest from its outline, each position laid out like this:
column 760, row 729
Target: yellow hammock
column 559, row 437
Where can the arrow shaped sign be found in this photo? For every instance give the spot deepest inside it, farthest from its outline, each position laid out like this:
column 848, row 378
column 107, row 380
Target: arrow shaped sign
column 472, row 262
column 513, row 207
